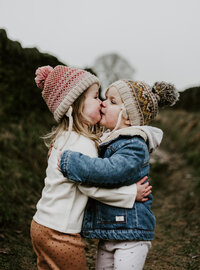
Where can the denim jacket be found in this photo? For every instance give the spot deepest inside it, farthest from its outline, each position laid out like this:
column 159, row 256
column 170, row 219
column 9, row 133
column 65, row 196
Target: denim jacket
column 123, row 160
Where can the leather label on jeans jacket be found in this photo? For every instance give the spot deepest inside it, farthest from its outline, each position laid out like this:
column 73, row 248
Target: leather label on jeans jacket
column 119, row 218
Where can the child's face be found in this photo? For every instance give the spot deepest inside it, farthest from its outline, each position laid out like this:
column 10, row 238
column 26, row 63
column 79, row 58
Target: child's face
column 92, row 105
column 110, row 110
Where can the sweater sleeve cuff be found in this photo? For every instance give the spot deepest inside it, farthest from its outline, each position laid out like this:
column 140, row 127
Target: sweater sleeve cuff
column 63, row 162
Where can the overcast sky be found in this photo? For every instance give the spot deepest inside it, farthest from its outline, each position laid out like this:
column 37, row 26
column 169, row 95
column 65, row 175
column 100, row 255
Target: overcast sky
column 159, row 38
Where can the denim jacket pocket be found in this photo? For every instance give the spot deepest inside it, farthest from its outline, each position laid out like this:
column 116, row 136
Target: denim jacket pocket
column 145, row 217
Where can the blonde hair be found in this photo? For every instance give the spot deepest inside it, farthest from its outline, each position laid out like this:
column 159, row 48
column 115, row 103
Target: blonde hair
column 91, row 131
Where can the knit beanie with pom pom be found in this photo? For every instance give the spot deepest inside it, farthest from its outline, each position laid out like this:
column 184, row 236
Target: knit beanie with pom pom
column 61, row 86
column 141, row 101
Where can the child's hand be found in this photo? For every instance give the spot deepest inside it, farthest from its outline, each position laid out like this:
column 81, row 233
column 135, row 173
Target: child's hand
column 143, row 190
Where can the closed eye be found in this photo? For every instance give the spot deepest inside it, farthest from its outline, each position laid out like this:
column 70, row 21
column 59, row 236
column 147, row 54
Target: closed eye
column 113, row 101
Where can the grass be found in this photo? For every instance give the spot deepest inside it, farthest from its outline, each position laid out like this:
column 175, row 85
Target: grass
column 23, row 162
column 16, row 252
column 183, row 135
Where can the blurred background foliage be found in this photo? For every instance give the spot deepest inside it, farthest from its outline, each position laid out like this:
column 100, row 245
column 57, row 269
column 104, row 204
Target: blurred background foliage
column 190, row 100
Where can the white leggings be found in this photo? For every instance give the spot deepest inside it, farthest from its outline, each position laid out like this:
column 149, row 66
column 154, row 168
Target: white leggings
column 122, row 255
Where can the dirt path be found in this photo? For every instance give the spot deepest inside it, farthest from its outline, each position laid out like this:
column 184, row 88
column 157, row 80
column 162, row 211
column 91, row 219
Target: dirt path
column 176, row 244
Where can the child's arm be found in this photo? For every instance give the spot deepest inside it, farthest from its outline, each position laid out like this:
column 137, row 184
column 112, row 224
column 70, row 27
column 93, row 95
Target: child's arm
column 119, row 197
column 117, row 170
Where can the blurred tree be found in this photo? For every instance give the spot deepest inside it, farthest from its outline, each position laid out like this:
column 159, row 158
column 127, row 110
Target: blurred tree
column 110, row 68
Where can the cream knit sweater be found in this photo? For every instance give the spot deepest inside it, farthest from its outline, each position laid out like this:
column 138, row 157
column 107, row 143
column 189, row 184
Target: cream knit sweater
column 62, row 203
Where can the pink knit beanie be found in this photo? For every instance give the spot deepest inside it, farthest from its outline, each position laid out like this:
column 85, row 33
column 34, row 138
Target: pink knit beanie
column 61, row 86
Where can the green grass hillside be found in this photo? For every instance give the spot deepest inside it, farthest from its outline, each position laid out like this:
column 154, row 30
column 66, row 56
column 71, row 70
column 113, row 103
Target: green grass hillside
column 183, row 133
column 19, row 95
column 24, row 117
column 189, row 100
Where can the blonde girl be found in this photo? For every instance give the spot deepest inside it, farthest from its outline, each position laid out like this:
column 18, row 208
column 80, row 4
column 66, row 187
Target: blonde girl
column 72, row 96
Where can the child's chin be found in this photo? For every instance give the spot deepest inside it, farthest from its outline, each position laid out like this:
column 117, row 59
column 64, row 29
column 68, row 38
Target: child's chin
column 96, row 120
column 101, row 122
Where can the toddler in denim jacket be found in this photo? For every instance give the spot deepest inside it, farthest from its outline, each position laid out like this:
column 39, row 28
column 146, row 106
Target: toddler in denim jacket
column 125, row 234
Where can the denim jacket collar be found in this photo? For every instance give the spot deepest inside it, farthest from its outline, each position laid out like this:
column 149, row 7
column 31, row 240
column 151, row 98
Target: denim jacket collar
column 151, row 135
column 108, row 137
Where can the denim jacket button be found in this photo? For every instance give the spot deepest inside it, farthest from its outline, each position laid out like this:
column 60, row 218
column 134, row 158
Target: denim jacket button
column 86, row 233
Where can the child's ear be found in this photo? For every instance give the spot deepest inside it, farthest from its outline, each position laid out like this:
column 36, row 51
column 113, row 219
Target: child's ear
column 127, row 122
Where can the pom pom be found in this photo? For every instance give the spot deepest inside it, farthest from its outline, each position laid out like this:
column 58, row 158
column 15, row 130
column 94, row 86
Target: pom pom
column 41, row 75
column 166, row 94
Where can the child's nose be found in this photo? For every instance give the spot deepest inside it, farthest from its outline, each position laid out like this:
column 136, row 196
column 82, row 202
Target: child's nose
column 103, row 103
